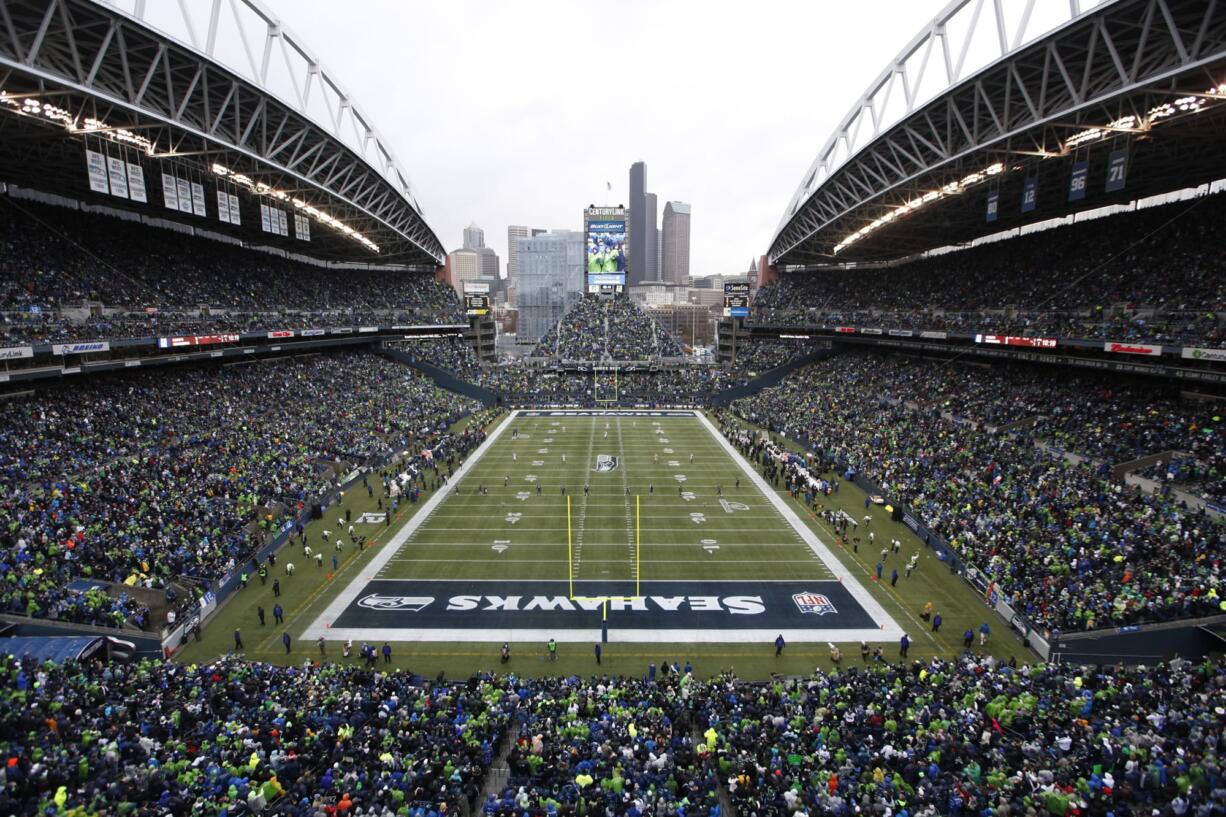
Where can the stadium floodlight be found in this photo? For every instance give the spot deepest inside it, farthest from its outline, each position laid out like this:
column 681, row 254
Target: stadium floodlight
column 952, row 189
column 262, row 189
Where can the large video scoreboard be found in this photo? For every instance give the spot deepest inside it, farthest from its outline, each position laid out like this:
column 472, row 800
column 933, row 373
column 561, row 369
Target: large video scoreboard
column 606, row 250
column 736, row 299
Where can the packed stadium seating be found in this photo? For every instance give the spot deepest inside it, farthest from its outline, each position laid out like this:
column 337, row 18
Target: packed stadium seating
column 1071, row 549
column 950, row 737
column 1152, row 275
column 151, row 476
column 613, row 329
column 152, row 282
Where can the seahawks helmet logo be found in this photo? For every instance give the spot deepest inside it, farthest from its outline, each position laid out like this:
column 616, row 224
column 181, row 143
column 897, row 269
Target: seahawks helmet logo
column 376, row 602
column 605, row 463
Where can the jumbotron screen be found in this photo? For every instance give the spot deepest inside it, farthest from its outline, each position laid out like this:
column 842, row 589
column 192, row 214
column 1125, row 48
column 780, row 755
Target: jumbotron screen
column 606, row 254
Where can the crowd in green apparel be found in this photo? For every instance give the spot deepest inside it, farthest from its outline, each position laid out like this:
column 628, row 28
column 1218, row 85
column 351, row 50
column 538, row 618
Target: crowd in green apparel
column 957, row 737
column 54, row 257
column 144, row 477
column 597, row 329
column 971, row 737
column 231, row 738
column 1066, row 546
column 1166, row 288
column 615, row 746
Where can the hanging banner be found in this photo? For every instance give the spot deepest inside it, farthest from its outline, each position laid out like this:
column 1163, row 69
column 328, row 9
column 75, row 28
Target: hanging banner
column 1117, row 169
column 302, row 227
column 1078, row 180
column 223, row 206
column 1132, row 348
column 1196, row 353
column 993, row 205
column 16, row 352
column 198, row 200
column 1030, row 194
column 81, row 348
column 235, row 218
column 185, row 195
column 136, row 182
column 95, row 164
column 170, row 192
column 265, row 222
column 118, row 176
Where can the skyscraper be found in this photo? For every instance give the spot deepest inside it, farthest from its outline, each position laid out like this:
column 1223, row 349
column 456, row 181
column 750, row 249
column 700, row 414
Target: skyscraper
column 463, row 265
column 548, row 279
column 489, row 263
column 652, row 272
column 675, row 265
column 474, row 237
column 514, row 233
column 638, row 224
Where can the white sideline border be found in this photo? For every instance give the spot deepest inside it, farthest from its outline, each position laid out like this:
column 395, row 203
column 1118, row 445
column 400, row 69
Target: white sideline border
column 887, row 629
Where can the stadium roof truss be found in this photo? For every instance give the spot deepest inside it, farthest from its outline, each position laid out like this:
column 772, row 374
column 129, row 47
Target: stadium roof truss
column 224, row 85
column 1036, row 96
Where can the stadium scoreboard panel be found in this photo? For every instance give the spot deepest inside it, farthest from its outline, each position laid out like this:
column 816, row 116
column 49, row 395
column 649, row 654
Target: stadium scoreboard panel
column 476, row 304
column 476, row 299
column 736, row 299
column 606, row 254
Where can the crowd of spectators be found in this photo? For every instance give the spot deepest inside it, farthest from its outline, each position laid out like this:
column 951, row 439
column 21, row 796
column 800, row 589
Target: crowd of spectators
column 973, row 737
column 1067, row 546
column 599, row 329
column 937, row 737
column 1205, row 477
column 763, row 355
column 146, row 477
column 146, row 281
column 1154, row 275
column 231, row 737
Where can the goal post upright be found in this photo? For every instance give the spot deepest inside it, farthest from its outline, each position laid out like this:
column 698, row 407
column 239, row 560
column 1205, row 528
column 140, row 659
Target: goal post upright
column 570, row 558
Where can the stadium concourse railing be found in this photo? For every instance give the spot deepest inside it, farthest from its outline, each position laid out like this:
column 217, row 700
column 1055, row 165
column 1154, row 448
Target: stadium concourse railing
column 221, row 590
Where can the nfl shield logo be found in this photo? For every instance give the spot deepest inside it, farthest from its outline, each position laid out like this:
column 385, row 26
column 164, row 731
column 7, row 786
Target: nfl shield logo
column 605, row 463
column 813, row 603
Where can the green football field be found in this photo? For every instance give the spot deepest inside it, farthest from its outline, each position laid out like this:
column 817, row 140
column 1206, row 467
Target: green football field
column 635, row 526
column 655, row 514
column 509, row 546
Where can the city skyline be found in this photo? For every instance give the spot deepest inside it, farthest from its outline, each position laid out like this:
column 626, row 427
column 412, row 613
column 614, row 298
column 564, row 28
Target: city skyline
column 709, row 103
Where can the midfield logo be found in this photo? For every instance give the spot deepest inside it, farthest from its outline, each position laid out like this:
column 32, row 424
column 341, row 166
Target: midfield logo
column 413, row 603
column 605, row 463
column 813, row 603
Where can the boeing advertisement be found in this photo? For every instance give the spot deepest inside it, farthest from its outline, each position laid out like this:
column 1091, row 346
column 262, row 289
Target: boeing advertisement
column 606, row 251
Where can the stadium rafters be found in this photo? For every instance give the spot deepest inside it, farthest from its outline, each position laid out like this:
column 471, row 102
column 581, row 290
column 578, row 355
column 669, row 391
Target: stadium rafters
column 937, row 123
column 221, row 87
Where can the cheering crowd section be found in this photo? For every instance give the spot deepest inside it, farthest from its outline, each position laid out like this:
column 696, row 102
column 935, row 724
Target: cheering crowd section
column 614, row 329
column 968, row 736
column 150, row 476
column 613, row 746
column 1066, row 546
column 1154, row 275
column 53, row 257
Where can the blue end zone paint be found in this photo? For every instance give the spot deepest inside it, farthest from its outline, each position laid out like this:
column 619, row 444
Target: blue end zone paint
column 497, row 606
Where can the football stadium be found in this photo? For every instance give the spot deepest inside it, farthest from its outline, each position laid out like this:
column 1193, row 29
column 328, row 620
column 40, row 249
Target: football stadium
column 305, row 514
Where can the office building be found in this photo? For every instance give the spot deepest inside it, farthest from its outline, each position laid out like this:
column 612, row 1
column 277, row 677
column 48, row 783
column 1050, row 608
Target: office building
column 514, row 233
column 638, row 224
column 474, row 237
column 548, row 280
column 463, row 265
column 675, row 260
column 652, row 271
column 489, row 263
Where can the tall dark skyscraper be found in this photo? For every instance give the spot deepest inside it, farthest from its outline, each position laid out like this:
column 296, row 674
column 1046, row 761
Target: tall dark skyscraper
column 639, row 231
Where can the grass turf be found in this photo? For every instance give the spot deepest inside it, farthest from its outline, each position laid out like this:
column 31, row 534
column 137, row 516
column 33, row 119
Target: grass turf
column 458, row 539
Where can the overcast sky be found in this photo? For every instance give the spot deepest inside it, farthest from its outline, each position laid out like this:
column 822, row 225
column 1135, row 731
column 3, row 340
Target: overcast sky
column 519, row 112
